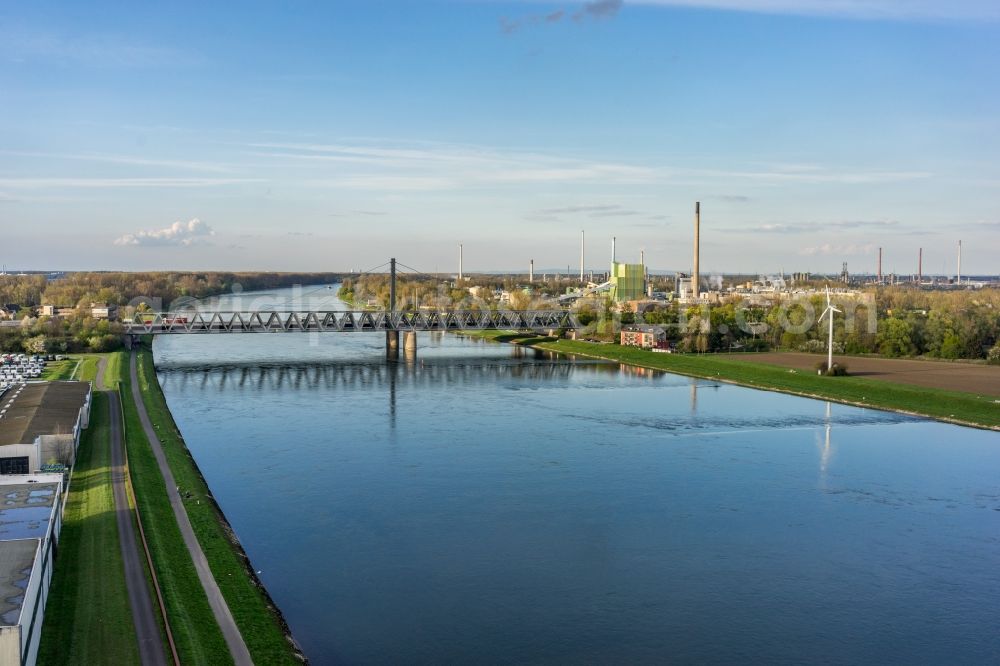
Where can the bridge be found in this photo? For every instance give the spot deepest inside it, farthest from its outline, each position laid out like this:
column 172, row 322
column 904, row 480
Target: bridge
column 345, row 321
column 390, row 321
column 357, row 321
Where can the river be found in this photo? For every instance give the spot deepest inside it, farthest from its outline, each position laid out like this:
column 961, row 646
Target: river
column 486, row 503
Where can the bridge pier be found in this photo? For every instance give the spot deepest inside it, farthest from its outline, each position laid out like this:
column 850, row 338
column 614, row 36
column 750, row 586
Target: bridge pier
column 391, row 345
column 410, row 342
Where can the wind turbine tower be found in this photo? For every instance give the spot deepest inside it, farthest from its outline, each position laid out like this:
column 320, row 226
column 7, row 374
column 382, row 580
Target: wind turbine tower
column 829, row 345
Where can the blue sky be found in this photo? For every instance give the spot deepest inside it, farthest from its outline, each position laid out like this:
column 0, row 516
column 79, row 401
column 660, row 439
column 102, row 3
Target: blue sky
column 332, row 135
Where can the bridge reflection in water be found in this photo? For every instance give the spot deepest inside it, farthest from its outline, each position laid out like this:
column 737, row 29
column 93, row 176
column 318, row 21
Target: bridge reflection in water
column 345, row 374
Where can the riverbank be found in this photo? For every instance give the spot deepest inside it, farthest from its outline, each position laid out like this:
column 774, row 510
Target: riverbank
column 260, row 622
column 961, row 408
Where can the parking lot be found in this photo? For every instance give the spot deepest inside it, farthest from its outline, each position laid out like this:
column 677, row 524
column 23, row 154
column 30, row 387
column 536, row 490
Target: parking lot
column 17, row 368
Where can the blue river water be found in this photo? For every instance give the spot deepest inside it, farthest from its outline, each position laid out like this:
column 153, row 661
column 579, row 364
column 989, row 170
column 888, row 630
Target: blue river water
column 486, row 503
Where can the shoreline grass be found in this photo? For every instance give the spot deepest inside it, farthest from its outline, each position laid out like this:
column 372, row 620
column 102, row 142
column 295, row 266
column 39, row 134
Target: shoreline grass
column 967, row 409
column 260, row 622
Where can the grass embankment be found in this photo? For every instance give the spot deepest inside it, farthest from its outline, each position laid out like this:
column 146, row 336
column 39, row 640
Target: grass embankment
column 257, row 618
column 85, row 368
column 951, row 406
column 59, row 370
column 195, row 631
column 87, row 618
column 82, row 367
column 115, row 370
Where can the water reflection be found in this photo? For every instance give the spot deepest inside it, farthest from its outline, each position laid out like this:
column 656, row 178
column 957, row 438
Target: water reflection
column 369, row 373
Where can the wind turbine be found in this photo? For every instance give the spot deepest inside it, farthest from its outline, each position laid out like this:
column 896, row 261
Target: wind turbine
column 829, row 345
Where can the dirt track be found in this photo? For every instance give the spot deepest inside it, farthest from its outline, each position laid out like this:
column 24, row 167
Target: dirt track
column 979, row 379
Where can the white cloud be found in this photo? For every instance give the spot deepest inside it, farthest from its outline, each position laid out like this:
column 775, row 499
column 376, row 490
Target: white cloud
column 818, row 175
column 106, row 183
column 385, row 182
column 178, row 233
column 123, row 159
column 427, row 166
column 839, row 250
column 104, row 50
column 440, row 166
column 905, row 10
column 813, row 227
column 596, row 210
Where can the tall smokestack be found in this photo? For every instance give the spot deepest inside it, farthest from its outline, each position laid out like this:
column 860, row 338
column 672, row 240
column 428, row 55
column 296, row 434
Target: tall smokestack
column 613, row 259
column 531, row 270
column 920, row 266
column 697, row 240
column 460, row 262
column 642, row 257
column 583, row 239
column 959, row 280
column 880, row 265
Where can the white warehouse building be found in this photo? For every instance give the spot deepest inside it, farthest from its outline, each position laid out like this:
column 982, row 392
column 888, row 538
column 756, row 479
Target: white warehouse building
column 30, row 522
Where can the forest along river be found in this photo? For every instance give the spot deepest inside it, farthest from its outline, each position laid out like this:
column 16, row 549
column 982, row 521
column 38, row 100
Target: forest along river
column 488, row 503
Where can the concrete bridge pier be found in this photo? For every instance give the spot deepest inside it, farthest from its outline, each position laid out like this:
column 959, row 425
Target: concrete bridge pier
column 410, row 342
column 391, row 345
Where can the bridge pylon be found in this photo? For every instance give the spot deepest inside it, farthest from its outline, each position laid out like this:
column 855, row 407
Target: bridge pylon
column 392, row 337
column 391, row 345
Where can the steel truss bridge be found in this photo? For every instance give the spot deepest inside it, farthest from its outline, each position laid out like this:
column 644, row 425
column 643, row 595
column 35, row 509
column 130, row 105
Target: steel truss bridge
column 347, row 321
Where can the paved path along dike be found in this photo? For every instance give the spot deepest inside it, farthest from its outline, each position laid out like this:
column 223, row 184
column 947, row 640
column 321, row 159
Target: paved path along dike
column 234, row 639
column 147, row 629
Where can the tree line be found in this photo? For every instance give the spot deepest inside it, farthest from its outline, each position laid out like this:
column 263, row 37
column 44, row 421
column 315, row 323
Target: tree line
column 79, row 331
column 893, row 322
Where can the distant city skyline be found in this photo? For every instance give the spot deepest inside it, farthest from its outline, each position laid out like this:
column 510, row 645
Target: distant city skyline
column 332, row 136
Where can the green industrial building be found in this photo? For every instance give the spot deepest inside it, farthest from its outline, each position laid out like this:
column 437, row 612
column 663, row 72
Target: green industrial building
column 628, row 282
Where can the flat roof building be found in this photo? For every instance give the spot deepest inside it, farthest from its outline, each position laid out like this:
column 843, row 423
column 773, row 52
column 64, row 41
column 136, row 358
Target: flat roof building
column 40, row 423
column 646, row 337
column 30, row 522
column 103, row 311
column 57, row 311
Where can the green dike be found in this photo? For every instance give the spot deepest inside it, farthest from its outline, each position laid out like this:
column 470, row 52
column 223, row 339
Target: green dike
column 87, row 617
column 259, row 621
column 86, row 371
column 117, row 362
column 952, row 406
column 195, row 631
column 59, row 370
